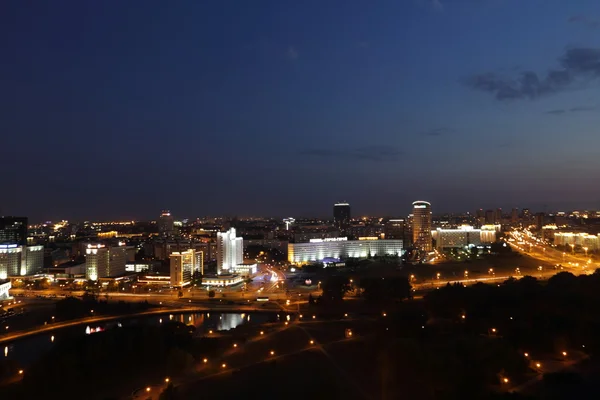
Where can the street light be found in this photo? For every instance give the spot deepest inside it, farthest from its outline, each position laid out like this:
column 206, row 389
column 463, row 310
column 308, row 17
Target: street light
column 585, row 249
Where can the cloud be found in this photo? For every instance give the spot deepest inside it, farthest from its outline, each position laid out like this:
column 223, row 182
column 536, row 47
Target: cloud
column 437, row 132
column 363, row 44
column 292, row 53
column 369, row 153
column 582, row 19
column 577, row 64
column 572, row 110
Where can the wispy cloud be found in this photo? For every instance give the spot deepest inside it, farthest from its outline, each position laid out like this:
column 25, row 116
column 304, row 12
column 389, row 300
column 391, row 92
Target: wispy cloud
column 437, row 132
column 292, row 53
column 572, row 110
column 369, row 153
column 577, row 64
column 582, row 19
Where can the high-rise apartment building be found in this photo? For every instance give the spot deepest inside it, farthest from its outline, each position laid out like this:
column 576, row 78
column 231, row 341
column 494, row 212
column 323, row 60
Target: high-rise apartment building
column 514, row 216
column 230, row 251
column 341, row 214
column 490, row 217
column 394, row 229
column 166, row 223
column 183, row 266
column 13, row 230
column 422, row 225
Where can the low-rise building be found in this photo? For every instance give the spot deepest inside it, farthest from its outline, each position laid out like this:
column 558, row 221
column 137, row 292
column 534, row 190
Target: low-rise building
column 462, row 237
column 341, row 247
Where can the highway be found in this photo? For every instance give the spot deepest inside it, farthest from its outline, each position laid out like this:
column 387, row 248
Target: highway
column 524, row 241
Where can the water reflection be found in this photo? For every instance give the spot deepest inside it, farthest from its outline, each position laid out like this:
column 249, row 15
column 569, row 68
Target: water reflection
column 29, row 349
column 229, row 321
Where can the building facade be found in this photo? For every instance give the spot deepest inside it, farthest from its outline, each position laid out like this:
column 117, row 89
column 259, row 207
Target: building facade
column 230, row 251
column 104, row 262
column 13, row 230
column 341, row 214
column 18, row 260
column 338, row 248
column 462, row 237
column 583, row 240
column 166, row 223
column 422, row 226
column 182, row 267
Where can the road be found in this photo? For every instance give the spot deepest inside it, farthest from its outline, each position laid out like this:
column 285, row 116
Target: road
column 576, row 263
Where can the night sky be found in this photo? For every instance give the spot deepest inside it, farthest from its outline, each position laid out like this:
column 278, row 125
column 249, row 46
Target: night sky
column 117, row 109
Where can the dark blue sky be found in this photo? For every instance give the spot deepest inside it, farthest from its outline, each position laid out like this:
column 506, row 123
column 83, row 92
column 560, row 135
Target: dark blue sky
column 121, row 108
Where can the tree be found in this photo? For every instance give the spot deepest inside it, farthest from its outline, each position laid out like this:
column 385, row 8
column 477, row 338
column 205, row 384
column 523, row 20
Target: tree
column 334, row 289
column 474, row 251
column 170, row 393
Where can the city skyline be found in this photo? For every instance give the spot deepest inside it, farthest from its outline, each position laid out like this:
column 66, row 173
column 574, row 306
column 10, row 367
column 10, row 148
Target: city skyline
column 217, row 108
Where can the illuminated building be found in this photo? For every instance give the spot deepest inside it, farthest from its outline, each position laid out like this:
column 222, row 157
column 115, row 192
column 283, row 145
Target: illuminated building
column 4, row 288
column 34, row 260
column 10, row 260
column 248, row 269
column 422, row 225
column 104, row 262
column 464, row 236
column 319, row 249
column 224, row 280
column 288, row 222
column 341, row 214
column 591, row 242
column 230, row 251
column 165, row 223
column 18, row 260
column 183, row 265
column 13, row 230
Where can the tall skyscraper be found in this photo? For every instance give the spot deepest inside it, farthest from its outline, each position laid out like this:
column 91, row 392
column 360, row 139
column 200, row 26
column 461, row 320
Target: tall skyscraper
column 165, row 223
column 514, row 216
column 490, row 217
column 96, row 261
column 422, row 225
column 13, row 230
column 341, row 214
column 498, row 218
column 230, row 251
